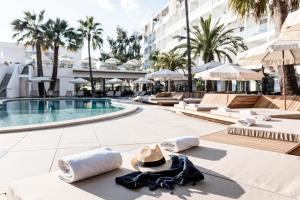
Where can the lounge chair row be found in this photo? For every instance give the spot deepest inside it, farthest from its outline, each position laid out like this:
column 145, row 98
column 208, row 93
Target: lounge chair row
column 163, row 98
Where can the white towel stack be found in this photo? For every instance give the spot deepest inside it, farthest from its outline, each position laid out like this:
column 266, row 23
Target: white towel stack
column 224, row 109
column 247, row 122
column 248, row 112
column 87, row 164
column 180, row 143
column 264, row 117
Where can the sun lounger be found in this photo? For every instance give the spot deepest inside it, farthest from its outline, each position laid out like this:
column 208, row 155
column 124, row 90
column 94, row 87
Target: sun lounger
column 34, row 93
column 143, row 93
column 276, row 129
column 192, row 100
column 231, row 172
column 50, row 93
column 274, row 113
column 80, row 94
column 118, row 94
column 110, row 93
column 69, row 93
column 200, row 107
column 136, row 94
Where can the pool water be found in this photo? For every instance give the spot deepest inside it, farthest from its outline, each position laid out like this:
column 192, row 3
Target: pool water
column 29, row 112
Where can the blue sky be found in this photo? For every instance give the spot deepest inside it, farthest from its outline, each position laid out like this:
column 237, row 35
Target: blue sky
column 130, row 14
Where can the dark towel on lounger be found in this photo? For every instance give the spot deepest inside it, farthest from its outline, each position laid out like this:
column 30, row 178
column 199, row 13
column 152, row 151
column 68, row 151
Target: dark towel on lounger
column 181, row 172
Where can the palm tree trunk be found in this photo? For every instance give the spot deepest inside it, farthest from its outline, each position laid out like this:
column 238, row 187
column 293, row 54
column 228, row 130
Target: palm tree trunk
column 90, row 67
column 189, row 59
column 280, row 13
column 290, row 80
column 54, row 70
column 39, row 67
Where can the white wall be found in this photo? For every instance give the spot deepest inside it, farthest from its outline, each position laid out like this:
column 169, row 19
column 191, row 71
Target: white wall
column 65, row 85
column 3, row 71
column 13, row 86
column 12, row 53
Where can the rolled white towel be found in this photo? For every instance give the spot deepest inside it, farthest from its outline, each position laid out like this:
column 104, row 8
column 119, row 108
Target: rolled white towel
column 264, row 117
column 224, row 109
column 247, row 122
column 180, row 143
column 87, row 164
column 248, row 112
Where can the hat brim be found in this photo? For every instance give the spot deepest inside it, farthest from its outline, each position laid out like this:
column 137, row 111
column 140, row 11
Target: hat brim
column 166, row 166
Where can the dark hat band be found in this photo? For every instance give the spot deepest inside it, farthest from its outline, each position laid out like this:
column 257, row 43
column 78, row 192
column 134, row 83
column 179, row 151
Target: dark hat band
column 152, row 164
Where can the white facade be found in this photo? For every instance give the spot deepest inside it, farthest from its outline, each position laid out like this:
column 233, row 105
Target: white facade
column 11, row 53
column 170, row 22
column 16, row 70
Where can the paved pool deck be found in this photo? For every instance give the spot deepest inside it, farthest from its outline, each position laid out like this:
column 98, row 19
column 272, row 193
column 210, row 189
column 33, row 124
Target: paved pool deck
column 27, row 154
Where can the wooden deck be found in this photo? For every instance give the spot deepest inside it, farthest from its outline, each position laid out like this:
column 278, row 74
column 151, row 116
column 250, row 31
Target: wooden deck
column 277, row 102
column 255, row 143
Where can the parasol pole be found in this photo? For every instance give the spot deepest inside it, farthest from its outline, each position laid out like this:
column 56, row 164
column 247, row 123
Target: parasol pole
column 284, row 81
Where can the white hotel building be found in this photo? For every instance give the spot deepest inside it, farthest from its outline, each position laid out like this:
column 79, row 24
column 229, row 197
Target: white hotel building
column 170, row 21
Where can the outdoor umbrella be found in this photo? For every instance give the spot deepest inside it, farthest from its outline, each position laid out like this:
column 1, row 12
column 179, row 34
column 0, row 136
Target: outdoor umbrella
column 79, row 81
column 165, row 75
column 142, row 81
column 114, row 81
column 40, row 79
column 112, row 61
column 66, row 60
column 206, row 66
column 283, row 51
column 277, row 52
column 229, row 72
column 133, row 63
column 291, row 27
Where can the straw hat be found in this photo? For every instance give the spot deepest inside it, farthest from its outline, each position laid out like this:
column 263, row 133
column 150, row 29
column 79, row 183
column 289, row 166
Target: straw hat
column 150, row 159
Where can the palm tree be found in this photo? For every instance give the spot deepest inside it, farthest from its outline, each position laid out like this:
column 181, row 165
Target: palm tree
column 212, row 41
column 279, row 10
column 171, row 60
column 59, row 34
column 92, row 32
column 28, row 31
column 153, row 57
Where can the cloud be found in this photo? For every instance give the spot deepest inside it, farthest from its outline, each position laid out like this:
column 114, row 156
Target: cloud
column 129, row 5
column 107, row 5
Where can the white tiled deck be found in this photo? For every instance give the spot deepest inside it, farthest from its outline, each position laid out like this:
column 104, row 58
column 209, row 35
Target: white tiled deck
column 27, row 154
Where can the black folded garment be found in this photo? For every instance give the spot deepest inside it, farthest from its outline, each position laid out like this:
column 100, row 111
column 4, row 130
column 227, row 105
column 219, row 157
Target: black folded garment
column 181, row 172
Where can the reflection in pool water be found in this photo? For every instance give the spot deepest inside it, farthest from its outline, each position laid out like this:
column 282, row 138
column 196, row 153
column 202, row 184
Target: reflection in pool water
column 27, row 112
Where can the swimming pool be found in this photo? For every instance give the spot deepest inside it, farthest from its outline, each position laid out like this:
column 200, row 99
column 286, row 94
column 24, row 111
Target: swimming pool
column 42, row 111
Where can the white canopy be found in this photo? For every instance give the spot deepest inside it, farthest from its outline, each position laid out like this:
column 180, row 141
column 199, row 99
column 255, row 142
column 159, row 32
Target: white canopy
column 142, row 81
column 79, row 81
column 93, row 59
column 112, row 61
column 206, row 66
column 272, row 53
column 40, row 79
column 291, row 27
column 115, row 81
column 165, row 74
column 229, row 72
column 66, row 59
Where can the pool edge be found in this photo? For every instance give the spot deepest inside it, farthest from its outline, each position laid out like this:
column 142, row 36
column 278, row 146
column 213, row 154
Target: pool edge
column 128, row 109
